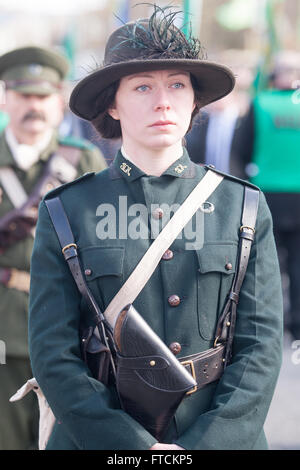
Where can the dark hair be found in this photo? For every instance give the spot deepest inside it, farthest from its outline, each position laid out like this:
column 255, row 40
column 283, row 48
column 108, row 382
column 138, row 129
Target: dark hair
column 107, row 127
column 110, row 128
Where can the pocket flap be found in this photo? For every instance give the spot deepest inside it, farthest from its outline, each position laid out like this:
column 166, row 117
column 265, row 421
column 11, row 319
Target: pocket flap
column 220, row 258
column 102, row 261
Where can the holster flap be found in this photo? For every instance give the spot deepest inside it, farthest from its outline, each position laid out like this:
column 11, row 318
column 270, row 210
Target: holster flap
column 145, row 362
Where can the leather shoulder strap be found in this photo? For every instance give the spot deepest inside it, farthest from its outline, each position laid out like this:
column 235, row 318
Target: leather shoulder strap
column 226, row 323
column 247, row 231
column 69, row 249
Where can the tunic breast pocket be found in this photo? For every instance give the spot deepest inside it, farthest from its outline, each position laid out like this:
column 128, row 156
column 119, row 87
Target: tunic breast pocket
column 217, row 265
column 103, row 270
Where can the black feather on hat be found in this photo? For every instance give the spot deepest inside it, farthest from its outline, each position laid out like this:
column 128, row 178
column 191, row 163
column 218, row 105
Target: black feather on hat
column 151, row 44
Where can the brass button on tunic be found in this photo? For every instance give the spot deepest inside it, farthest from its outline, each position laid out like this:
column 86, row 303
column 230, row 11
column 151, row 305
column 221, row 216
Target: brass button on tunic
column 175, row 348
column 228, row 266
column 168, row 254
column 174, row 300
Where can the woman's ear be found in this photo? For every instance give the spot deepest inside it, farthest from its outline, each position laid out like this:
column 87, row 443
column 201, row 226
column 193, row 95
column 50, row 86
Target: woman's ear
column 113, row 113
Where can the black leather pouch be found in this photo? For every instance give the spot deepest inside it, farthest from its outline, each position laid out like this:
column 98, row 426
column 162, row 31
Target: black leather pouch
column 151, row 382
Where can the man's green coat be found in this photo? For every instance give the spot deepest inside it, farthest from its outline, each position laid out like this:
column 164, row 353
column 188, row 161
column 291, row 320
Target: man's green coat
column 226, row 415
column 14, row 303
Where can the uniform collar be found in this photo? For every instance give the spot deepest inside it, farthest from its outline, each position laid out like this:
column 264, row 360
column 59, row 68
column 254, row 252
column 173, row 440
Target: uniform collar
column 182, row 168
column 122, row 167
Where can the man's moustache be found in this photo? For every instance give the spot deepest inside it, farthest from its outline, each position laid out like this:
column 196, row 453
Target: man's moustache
column 34, row 115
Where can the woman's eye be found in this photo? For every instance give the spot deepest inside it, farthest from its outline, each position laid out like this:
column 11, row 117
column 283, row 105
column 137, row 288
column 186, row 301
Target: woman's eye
column 178, row 85
column 142, row 88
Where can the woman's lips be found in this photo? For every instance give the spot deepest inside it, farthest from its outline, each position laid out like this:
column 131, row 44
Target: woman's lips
column 162, row 123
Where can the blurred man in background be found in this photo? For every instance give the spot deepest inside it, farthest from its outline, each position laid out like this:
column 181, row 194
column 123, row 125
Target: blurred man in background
column 33, row 160
column 217, row 135
column 271, row 155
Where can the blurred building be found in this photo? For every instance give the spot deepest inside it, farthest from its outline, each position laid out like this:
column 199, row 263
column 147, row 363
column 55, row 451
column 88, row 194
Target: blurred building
column 221, row 25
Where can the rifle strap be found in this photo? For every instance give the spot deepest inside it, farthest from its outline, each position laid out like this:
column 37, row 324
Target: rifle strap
column 13, row 187
column 61, row 167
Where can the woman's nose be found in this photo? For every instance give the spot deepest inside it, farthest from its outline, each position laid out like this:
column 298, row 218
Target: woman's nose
column 162, row 107
column 162, row 102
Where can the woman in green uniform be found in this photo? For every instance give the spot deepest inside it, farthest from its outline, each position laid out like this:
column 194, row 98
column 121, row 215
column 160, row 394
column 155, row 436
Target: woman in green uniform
column 152, row 83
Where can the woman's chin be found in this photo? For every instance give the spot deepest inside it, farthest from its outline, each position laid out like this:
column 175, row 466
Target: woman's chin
column 164, row 141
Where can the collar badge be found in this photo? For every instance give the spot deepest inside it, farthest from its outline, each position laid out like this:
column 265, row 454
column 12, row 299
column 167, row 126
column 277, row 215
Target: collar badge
column 126, row 168
column 180, row 168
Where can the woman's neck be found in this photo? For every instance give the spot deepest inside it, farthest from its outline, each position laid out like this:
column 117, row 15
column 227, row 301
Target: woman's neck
column 153, row 162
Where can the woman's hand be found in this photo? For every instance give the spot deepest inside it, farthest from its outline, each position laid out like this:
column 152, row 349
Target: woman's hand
column 159, row 446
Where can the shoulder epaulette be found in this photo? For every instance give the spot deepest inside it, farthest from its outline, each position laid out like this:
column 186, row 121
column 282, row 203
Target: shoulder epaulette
column 231, row 177
column 60, row 188
column 70, row 141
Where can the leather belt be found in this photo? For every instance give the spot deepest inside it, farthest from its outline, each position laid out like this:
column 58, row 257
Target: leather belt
column 15, row 279
column 205, row 367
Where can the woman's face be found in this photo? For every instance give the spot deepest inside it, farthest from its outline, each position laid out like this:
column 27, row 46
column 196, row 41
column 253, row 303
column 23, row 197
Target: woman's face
column 154, row 108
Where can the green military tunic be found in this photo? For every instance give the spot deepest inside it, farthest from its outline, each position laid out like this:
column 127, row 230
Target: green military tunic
column 228, row 414
column 14, row 302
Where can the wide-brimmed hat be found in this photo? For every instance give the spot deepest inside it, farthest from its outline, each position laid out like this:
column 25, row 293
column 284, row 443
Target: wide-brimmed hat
column 33, row 70
column 150, row 44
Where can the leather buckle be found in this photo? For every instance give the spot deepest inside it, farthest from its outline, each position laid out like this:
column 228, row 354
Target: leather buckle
column 69, row 246
column 243, row 227
column 247, row 232
column 193, row 374
column 69, row 251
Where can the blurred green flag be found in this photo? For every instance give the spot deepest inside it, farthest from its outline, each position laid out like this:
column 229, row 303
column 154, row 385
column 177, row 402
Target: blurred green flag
column 69, row 49
column 192, row 15
column 271, row 45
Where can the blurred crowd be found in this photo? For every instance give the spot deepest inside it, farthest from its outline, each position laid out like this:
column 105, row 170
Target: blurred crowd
column 254, row 134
